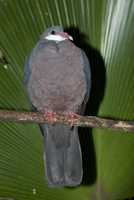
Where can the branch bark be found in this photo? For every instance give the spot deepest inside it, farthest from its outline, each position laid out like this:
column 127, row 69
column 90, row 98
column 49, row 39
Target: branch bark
column 86, row 121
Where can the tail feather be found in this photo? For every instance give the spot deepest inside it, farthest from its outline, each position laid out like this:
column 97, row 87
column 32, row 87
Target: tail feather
column 62, row 156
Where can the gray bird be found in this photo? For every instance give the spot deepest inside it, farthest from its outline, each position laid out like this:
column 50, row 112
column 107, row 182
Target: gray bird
column 57, row 79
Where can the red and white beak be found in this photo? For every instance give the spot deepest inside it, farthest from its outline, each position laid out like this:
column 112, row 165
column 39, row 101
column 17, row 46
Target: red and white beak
column 65, row 35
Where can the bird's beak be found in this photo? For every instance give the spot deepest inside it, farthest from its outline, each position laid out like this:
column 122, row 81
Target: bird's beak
column 65, row 35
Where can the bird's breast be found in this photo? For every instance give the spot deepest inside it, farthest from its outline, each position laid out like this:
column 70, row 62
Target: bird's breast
column 57, row 81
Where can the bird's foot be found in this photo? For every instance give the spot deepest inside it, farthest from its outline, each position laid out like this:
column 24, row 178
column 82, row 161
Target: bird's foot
column 72, row 116
column 51, row 117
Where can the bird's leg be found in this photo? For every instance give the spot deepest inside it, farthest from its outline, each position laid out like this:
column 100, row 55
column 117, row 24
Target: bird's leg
column 72, row 116
column 51, row 117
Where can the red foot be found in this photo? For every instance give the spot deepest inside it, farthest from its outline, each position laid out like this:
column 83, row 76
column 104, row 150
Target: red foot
column 72, row 116
column 51, row 117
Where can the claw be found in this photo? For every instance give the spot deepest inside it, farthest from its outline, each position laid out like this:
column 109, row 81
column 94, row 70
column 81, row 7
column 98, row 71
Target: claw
column 72, row 116
column 51, row 117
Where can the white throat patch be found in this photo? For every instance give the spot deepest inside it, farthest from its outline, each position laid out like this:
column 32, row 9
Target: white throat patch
column 56, row 38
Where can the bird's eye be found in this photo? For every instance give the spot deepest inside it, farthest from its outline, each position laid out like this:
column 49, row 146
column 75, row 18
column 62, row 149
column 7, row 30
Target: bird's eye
column 53, row 32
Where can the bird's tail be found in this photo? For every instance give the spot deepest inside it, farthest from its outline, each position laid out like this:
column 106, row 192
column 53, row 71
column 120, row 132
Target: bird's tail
column 62, row 156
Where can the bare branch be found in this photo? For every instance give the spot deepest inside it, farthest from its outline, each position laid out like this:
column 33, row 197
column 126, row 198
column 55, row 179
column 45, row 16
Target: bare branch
column 86, row 121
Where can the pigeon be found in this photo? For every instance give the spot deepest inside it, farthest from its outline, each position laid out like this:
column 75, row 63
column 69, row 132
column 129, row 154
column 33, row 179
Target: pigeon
column 57, row 80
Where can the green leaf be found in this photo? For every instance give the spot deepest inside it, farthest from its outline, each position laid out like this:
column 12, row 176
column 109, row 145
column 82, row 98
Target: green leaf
column 105, row 31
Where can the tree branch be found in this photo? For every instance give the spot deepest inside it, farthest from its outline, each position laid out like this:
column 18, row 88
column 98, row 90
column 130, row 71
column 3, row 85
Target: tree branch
column 86, row 121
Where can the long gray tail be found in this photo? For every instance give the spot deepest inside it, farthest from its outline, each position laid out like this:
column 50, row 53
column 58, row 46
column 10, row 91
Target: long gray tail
column 62, row 156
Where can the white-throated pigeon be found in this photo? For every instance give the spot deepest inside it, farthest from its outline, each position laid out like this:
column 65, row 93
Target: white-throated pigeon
column 57, row 80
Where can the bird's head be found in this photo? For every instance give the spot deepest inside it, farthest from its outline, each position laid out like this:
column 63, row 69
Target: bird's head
column 55, row 33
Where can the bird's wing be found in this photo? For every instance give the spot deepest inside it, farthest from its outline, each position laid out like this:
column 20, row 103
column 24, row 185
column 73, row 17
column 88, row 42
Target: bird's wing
column 87, row 71
column 27, row 73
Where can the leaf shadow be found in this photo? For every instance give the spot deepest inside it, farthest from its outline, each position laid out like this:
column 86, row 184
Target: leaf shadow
column 98, row 76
